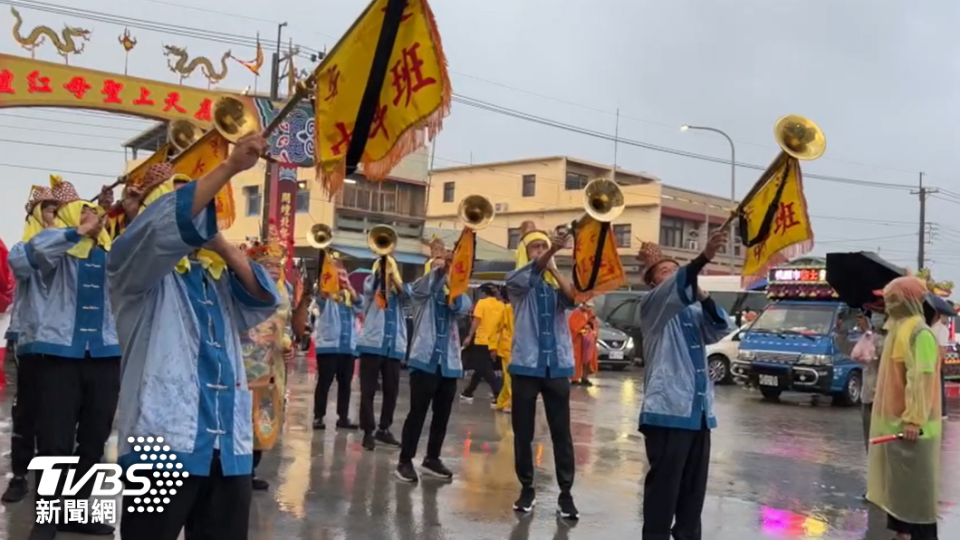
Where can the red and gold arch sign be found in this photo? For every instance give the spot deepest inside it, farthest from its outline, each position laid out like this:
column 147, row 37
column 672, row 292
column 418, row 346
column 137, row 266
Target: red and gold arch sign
column 25, row 82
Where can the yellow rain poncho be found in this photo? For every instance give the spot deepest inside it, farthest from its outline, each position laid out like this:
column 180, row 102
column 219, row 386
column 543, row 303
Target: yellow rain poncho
column 903, row 477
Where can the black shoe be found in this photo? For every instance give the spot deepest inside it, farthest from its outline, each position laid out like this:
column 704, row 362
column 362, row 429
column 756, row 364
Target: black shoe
column 90, row 529
column 465, row 398
column 47, row 531
column 318, row 424
column 17, row 489
column 260, row 485
column 527, row 500
column 369, row 442
column 435, row 467
column 586, row 382
column 346, row 424
column 406, row 473
column 566, row 509
column 387, row 438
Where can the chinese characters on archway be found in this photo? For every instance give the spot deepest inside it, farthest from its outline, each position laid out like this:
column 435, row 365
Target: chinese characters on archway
column 28, row 82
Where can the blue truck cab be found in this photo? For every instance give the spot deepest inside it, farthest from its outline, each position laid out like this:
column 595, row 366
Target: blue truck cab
column 803, row 339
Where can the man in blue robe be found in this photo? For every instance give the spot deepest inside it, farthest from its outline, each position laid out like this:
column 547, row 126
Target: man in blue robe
column 179, row 317
column 435, row 367
column 677, row 320
column 541, row 364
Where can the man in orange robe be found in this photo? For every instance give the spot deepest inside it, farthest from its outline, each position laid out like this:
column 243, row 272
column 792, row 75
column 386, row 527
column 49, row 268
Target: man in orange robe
column 583, row 330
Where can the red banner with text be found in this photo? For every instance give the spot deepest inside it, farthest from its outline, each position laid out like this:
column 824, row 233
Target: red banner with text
column 283, row 205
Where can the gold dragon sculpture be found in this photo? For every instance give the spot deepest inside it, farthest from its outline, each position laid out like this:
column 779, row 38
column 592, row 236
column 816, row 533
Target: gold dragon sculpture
column 65, row 42
column 185, row 67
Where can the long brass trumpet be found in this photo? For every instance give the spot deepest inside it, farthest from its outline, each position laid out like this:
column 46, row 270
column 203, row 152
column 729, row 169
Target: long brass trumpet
column 320, row 237
column 182, row 134
column 476, row 212
column 800, row 137
column 602, row 200
column 382, row 240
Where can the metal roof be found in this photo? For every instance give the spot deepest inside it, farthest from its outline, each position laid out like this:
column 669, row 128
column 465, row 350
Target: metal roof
column 151, row 139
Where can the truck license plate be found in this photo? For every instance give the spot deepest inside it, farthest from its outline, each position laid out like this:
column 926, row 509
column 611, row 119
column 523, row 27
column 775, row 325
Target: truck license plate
column 769, row 380
column 616, row 355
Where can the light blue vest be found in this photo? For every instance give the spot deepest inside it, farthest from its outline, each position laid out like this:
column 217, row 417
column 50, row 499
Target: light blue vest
column 436, row 338
column 183, row 376
column 72, row 316
column 542, row 346
column 677, row 390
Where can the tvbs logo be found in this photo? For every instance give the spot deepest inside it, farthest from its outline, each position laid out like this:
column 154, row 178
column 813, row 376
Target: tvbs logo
column 150, row 483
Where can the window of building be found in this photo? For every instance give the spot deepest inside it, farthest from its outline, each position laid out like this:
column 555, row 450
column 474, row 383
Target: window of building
column 448, row 191
column 576, row 181
column 251, row 195
column 513, row 237
column 622, row 234
column 671, row 232
column 529, row 185
column 303, row 197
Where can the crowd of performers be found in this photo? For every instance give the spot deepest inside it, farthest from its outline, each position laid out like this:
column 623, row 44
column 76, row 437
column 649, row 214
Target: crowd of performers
column 153, row 317
column 141, row 312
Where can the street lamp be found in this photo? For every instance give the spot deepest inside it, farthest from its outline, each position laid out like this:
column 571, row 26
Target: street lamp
column 733, row 182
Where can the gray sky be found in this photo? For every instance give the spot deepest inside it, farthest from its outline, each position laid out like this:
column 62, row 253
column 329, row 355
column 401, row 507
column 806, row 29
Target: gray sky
column 877, row 77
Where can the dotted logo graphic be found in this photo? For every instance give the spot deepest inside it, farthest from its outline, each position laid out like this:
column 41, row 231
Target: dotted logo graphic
column 167, row 474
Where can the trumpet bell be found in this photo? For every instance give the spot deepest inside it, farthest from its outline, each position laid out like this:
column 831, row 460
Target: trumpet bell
column 382, row 240
column 320, row 237
column 182, row 134
column 233, row 119
column 603, row 200
column 800, row 137
column 476, row 212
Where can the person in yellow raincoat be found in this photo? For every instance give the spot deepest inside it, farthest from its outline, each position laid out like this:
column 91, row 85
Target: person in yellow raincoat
column 266, row 350
column 903, row 476
column 504, row 343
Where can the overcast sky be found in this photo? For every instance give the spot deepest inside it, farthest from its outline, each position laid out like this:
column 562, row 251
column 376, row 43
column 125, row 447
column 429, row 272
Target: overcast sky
column 880, row 78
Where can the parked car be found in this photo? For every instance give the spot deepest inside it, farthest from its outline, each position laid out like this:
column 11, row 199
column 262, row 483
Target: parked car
column 615, row 349
column 721, row 355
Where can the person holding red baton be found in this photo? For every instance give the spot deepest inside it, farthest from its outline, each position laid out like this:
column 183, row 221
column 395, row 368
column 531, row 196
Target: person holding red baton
column 903, row 476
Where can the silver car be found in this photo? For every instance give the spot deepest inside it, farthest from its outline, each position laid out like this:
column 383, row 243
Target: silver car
column 615, row 348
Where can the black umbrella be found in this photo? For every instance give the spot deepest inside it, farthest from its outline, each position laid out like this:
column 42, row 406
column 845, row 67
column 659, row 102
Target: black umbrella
column 855, row 276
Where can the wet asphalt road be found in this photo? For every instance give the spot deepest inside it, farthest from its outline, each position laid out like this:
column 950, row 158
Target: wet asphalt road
column 781, row 471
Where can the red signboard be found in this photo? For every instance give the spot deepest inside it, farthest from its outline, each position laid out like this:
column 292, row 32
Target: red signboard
column 283, row 205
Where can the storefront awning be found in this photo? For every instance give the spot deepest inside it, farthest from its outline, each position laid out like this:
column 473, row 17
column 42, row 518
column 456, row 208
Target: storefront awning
column 367, row 255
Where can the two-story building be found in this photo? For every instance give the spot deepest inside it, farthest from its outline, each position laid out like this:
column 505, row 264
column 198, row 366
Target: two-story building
column 549, row 191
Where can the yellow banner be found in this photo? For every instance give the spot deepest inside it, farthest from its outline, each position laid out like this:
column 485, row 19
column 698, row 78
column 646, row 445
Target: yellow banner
column 788, row 234
column 25, row 82
column 415, row 95
column 329, row 277
column 201, row 158
column 461, row 265
column 136, row 176
column 590, row 259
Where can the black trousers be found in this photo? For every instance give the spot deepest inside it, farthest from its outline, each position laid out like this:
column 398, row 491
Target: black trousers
column 917, row 531
column 556, row 404
column 214, row 507
column 23, row 441
column 79, row 397
column 427, row 390
column 375, row 368
column 676, row 483
column 330, row 367
column 483, row 369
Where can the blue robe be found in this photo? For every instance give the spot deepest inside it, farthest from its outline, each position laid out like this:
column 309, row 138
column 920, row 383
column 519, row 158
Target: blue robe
column 183, row 374
column 436, row 338
column 542, row 346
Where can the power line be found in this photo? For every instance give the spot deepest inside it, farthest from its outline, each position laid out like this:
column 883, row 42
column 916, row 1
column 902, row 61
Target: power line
column 85, row 124
column 483, row 105
column 63, row 146
column 73, row 133
column 49, row 170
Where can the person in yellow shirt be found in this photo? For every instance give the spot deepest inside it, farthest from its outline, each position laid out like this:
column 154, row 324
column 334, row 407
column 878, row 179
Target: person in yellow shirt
column 504, row 345
column 480, row 352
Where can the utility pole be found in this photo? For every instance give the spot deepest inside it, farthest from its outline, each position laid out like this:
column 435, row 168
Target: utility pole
column 923, row 193
column 274, row 97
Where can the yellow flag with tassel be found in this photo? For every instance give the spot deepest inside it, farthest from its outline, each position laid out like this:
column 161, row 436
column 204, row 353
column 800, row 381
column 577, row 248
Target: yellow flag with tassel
column 597, row 266
column 412, row 99
column 199, row 159
column 774, row 222
column 461, row 264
